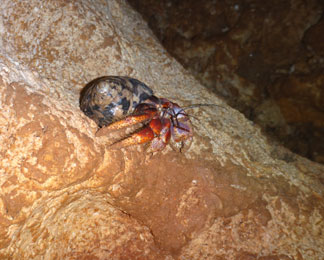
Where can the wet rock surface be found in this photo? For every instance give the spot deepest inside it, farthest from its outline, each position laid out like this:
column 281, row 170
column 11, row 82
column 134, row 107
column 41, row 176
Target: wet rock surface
column 64, row 194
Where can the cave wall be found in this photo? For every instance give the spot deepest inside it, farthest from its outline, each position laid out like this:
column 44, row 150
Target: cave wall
column 64, row 194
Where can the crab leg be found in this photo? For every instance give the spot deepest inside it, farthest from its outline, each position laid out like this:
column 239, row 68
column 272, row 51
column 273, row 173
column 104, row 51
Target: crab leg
column 147, row 113
column 143, row 136
column 128, row 121
column 158, row 131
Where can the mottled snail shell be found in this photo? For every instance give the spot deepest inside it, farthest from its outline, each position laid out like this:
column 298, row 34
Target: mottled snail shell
column 111, row 98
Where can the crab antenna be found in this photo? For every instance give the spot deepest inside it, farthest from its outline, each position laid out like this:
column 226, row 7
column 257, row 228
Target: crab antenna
column 196, row 105
column 202, row 105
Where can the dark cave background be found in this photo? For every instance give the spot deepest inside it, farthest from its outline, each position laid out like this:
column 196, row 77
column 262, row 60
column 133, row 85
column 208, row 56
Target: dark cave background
column 264, row 58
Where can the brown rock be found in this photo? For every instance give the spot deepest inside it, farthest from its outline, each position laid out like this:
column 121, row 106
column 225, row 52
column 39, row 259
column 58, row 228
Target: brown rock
column 300, row 99
column 65, row 195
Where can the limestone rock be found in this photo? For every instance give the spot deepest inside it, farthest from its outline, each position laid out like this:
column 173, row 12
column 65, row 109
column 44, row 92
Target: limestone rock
column 65, row 195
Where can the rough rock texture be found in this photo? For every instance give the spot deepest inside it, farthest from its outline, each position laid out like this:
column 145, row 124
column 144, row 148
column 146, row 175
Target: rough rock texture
column 65, row 195
column 265, row 58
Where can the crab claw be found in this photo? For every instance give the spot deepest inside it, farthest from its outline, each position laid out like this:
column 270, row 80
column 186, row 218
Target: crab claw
column 163, row 136
column 181, row 134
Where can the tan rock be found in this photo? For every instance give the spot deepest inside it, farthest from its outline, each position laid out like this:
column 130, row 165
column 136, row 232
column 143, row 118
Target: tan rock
column 65, row 195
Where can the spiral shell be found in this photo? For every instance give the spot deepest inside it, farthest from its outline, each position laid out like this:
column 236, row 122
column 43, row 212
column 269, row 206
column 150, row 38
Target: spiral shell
column 111, row 98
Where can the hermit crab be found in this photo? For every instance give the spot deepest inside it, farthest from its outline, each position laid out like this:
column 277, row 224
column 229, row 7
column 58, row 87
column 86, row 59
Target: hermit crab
column 115, row 103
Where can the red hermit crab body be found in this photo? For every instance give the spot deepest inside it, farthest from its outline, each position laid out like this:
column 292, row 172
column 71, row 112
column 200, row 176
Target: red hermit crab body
column 120, row 102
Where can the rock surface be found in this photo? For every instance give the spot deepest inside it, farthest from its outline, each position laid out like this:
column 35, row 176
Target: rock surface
column 65, row 195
